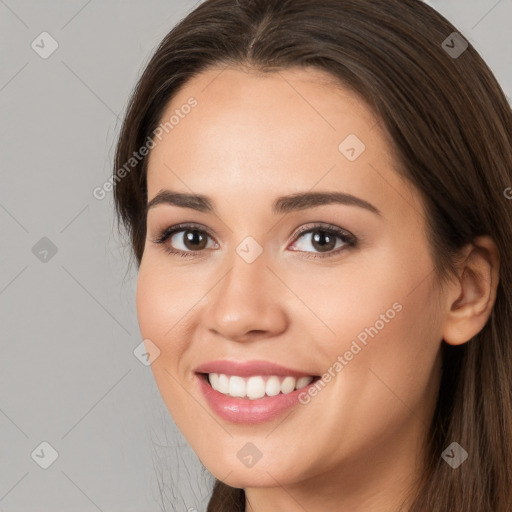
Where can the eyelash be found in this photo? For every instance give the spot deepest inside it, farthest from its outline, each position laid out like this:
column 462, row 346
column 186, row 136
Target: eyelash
column 348, row 239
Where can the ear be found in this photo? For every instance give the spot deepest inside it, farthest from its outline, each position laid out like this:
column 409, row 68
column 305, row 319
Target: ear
column 474, row 293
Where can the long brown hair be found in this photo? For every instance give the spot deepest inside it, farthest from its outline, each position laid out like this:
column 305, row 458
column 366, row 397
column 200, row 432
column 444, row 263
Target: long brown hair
column 451, row 127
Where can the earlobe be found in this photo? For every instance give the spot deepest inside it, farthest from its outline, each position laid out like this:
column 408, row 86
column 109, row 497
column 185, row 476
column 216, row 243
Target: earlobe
column 476, row 287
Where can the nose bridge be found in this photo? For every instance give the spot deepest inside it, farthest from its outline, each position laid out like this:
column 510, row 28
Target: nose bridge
column 246, row 298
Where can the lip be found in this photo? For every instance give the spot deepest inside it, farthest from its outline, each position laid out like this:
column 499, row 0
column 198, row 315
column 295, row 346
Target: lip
column 244, row 410
column 248, row 368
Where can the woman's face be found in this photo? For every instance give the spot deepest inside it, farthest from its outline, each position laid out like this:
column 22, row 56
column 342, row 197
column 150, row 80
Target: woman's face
column 360, row 309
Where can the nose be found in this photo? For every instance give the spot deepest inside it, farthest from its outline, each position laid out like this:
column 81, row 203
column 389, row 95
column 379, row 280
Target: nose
column 247, row 304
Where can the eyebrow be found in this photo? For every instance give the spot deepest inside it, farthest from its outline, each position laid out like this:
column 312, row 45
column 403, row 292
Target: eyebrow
column 283, row 204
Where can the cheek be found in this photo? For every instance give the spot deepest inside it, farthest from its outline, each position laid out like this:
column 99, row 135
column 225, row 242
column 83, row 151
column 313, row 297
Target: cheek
column 162, row 306
column 151, row 296
column 164, row 299
column 385, row 325
column 386, row 297
column 396, row 340
column 357, row 302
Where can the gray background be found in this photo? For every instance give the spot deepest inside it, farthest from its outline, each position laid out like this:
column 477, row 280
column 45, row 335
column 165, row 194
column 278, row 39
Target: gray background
column 68, row 374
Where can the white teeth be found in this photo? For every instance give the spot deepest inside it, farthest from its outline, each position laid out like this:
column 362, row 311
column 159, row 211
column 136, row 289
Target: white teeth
column 273, row 386
column 237, row 386
column 303, row 382
column 214, row 380
column 288, row 384
column 223, row 384
column 257, row 386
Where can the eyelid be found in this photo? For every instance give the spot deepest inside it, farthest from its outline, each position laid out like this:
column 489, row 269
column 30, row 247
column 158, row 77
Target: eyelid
column 322, row 226
column 171, row 230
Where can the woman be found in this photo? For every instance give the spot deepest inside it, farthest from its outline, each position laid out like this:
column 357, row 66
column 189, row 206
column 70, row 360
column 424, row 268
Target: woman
column 317, row 198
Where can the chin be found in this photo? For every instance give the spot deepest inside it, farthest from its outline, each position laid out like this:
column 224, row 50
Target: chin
column 263, row 473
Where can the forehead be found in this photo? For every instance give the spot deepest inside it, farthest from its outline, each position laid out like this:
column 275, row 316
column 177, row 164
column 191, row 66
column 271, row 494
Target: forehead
column 285, row 131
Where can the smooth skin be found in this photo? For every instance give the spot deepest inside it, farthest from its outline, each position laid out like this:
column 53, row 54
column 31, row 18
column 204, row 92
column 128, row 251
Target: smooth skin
column 358, row 445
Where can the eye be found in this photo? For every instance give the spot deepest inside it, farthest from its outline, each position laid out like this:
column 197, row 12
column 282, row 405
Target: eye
column 187, row 240
column 193, row 239
column 324, row 240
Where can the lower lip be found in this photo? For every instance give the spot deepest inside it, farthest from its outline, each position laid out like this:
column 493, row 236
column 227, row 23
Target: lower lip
column 244, row 410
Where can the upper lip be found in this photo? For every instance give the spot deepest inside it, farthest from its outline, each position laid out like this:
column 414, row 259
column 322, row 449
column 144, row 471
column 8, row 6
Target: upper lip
column 248, row 368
